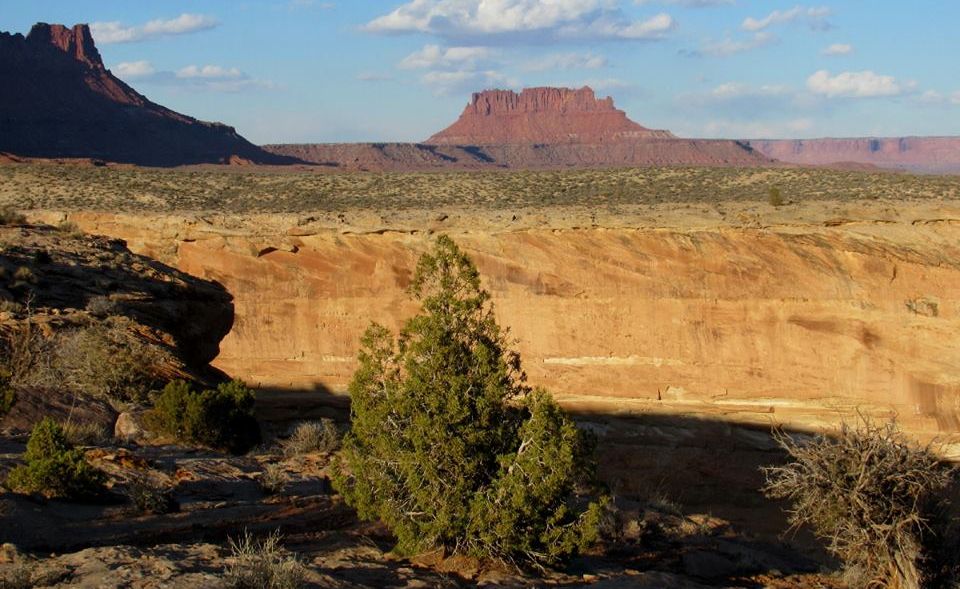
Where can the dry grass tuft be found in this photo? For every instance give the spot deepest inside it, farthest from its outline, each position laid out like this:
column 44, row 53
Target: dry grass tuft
column 263, row 564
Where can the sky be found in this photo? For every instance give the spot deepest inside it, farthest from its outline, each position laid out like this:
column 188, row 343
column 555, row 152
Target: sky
column 284, row 71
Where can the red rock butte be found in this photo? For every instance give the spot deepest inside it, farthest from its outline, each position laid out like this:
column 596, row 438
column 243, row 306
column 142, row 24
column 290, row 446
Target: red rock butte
column 59, row 101
column 542, row 116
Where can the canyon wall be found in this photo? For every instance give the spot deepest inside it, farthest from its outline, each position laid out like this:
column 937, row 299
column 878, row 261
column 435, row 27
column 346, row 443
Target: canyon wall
column 802, row 322
column 933, row 155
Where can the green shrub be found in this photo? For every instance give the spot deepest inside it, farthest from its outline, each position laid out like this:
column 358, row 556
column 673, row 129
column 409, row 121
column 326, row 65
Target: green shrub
column 54, row 467
column 774, row 197
column 7, row 395
column 876, row 499
column 219, row 418
column 449, row 447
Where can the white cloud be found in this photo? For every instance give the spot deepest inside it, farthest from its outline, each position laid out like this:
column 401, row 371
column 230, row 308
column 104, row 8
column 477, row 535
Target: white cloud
column 686, row 3
column 106, row 33
column 816, row 18
column 129, row 70
column 566, row 61
column 955, row 97
column 434, row 56
column 520, row 20
column 727, row 47
column 736, row 90
column 209, row 72
column 443, row 83
column 865, row 84
column 838, row 49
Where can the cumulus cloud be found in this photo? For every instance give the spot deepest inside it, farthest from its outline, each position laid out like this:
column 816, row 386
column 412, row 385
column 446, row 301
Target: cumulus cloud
column 865, row 84
column 737, row 90
column 434, row 56
column 815, row 17
column 106, row 33
column 519, row 20
column 729, row 46
column 444, row 83
column 128, row 70
column 566, row 61
column 686, row 3
column 838, row 49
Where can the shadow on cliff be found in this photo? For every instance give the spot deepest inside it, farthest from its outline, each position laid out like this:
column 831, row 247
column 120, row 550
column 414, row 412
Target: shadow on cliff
column 101, row 275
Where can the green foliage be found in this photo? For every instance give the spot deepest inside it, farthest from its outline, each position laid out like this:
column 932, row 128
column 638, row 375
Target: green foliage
column 54, row 467
column 220, row 418
column 7, row 395
column 448, row 446
column 774, row 197
column 149, row 498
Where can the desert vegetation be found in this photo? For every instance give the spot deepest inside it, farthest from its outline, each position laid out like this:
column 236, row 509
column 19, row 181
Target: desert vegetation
column 221, row 417
column 449, row 447
column 80, row 188
column 878, row 500
column 54, row 467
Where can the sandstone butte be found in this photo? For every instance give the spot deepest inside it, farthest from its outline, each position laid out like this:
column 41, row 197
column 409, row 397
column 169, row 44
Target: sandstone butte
column 937, row 155
column 59, row 101
column 537, row 128
column 801, row 318
column 542, row 115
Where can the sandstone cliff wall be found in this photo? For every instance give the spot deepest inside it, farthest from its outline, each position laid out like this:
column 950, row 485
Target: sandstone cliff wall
column 801, row 323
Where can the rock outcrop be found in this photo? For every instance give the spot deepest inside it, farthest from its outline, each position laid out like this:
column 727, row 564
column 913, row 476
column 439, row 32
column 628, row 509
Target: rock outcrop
column 58, row 100
column 541, row 116
column 938, row 155
column 802, row 319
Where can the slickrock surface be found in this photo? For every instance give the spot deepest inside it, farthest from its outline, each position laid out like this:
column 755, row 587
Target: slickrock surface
column 59, row 101
column 541, row 115
column 939, row 155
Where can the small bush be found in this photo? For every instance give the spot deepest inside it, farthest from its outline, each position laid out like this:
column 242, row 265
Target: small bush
column 10, row 216
column 70, row 228
column 101, row 306
column 85, row 434
column 774, row 197
column 54, row 467
column 24, row 275
column 152, row 499
column 7, row 395
column 219, row 418
column 18, row 575
column 273, row 480
column 263, row 565
column 313, row 436
column 873, row 496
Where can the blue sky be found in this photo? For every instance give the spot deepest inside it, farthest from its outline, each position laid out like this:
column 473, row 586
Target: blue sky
column 392, row 70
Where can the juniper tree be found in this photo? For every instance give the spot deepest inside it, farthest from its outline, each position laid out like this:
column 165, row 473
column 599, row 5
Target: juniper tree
column 448, row 446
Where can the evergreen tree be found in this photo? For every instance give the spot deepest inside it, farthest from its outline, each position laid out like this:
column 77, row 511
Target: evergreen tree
column 449, row 447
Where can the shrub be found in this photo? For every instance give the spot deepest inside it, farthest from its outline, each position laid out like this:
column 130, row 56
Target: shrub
column 448, row 446
column 148, row 498
column 84, row 434
column 263, row 565
column 774, row 197
column 313, row 436
column 106, row 361
column 54, row 467
column 273, row 480
column 871, row 495
column 220, row 418
column 101, row 306
column 7, row 395
column 10, row 216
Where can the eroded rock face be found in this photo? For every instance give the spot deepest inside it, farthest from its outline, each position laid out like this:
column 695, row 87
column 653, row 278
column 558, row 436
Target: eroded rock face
column 58, row 100
column 918, row 154
column 803, row 324
column 541, row 115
